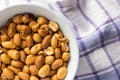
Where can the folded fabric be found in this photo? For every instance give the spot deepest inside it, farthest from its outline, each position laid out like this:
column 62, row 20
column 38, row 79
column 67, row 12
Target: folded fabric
column 96, row 24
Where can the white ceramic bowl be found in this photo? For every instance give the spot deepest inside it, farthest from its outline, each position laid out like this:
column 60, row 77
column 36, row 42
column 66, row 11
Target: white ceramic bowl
column 63, row 23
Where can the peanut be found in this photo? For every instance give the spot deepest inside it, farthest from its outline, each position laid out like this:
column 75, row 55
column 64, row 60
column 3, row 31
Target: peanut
column 46, row 42
column 24, row 76
column 54, row 77
column 33, row 70
column 49, row 59
column 49, row 51
column 8, row 44
column 13, row 54
column 29, row 41
column 53, row 26
column 36, row 48
column 26, row 69
column 65, row 56
column 17, row 64
column 33, row 78
column 22, row 56
column 42, row 20
column 11, row 29
column 34, row 25
column 5, row 58
column 61, row 73
column 43, row 31
column 44, row 71
column 37, row 38
column 39, row 61
column 27, row 50
column 17, row 77
column 17, row 19
column 8, row 73
column 64, row 47
column 27, row 17
column 54, row 42
column 15, row 70
column 17, row 39
column 57, row 64
column 58, row 53
column 30, row 59
column 4, row 37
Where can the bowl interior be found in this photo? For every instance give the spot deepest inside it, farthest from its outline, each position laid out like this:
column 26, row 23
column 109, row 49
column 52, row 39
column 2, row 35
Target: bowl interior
column 63, row 23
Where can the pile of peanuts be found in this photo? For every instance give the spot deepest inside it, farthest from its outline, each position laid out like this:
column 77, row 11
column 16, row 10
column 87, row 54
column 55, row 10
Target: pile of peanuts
column 32, row 48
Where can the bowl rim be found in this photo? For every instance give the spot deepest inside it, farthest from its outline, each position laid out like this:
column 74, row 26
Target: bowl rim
column 67, row 23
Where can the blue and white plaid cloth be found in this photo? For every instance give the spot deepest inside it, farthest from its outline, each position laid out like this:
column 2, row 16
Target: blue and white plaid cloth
column 96, row 24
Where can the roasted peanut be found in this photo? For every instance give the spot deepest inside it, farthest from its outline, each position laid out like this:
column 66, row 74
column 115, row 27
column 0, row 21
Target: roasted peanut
column 22, row 56
column 54, row 42
column 24, row 30
column 30, row 59
column 17, row 77
column 23, row 44
column 11, row 29
column 24, row 75
column 54, row 77
column 57, row 64
column 33, row 78
column 49, row 51
column 49, row 59
column 53, row 26
column 29, row 41
column 34, row 25
column 33, row 70
column 42, row 20
column 58, row 53
column 15, row 70
column 37, row 38
column 46, row 42
column 44, row 71
column 36, row 48
column 17, row 39
column 27, row 50
column 39, row 61
column 51, row 32
column 4, row 37
column 27, row 17
column 13, row 54
column 8, row 44
column 64, row 47
column 42, row 53
column 44, row 30
column 5, row 58
column 17, row 64
column 61, row 73
column 17, row 19
column 60, row 33
column 8, row 73
column 64, row 40
column 26, row 69
column 65, row 56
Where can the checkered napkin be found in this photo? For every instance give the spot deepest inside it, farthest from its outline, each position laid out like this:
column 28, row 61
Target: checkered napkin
column 96, row 24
